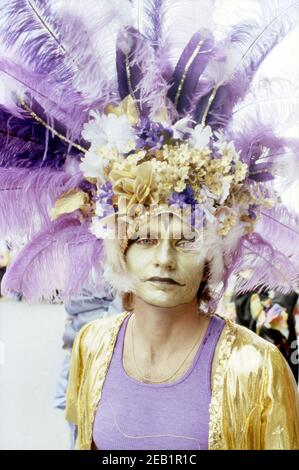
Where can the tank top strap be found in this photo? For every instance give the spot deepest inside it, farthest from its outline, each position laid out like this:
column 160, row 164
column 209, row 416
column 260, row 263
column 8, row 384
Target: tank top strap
column 207, row 350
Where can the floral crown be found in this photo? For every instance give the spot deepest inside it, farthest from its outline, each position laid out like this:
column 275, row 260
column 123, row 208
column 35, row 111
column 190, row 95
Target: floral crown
column 112, row 109
column 138, row 163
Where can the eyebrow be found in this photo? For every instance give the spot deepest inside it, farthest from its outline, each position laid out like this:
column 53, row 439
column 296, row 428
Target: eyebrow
column 155, row 234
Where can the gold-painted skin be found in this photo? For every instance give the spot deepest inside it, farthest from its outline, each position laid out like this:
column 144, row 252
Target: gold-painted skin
column 254, row 406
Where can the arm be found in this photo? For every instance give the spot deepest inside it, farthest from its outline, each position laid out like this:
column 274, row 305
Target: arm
column 280, row 415
column 75, row 375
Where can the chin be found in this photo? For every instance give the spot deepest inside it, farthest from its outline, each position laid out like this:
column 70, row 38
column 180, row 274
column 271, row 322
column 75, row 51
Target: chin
column 165, row 296
column 164, row 301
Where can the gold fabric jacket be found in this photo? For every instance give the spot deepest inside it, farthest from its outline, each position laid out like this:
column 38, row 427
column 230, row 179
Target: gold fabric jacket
column 254, row 403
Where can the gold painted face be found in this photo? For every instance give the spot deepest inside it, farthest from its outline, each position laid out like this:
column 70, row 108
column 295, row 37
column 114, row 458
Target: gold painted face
column 165, row 262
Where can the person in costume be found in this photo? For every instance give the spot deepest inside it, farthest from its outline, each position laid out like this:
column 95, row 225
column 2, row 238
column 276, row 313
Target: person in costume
column 149, row 154
column 166, row 375
column 271, row 315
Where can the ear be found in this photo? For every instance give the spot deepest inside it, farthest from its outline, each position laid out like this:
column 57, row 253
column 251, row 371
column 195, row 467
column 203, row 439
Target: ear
column 206, row 272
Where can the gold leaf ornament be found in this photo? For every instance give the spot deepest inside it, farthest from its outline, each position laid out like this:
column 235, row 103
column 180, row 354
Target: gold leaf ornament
column 70, row 201
column 127, row 107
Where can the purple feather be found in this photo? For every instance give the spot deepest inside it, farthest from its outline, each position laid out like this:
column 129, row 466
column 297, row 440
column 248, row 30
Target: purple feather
column 139, row 73
column 220, row 110
column 58, row 101
column 129, row 66
column 266, row 154
column 27, row 197
column 34, row 28
column 189, row 69
column 26, row 143
column 153, row 30
column 57, row 262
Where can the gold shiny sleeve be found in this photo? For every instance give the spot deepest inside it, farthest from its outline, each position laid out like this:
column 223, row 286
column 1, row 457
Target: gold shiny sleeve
column 280, row 415
column 75, row 375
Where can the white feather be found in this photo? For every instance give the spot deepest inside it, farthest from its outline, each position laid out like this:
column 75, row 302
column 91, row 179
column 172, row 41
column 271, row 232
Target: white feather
column 273, row 103
column 263, row 23
column 102, row 20
column 180, row 20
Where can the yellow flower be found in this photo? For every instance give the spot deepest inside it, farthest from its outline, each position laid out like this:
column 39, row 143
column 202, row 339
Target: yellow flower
column 135, row 183
column 240, row 172
column 226, row 220
column 180, row 186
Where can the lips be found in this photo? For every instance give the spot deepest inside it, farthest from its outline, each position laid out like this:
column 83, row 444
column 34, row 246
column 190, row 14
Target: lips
column 164, row 280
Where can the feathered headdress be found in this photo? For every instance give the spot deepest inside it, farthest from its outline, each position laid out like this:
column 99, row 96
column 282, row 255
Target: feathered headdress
column 143, row 103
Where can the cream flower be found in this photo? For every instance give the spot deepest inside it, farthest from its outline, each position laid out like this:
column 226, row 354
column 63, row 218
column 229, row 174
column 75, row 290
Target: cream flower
column 92, row 165
column 226, row 184
column 181, row 127
column 109, row 131
column 134, row 183
column 200, row 136
column 103, row 228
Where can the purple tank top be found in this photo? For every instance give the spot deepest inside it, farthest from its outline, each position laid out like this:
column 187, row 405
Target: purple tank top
column 135, row 415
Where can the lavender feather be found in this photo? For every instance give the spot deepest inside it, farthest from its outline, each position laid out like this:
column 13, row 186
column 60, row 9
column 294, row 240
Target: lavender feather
column 148, row 16
column 60, row 47
column 281, row 226
column 139, row 73
column 259, row 37
column 258, row 265
column 27, row 196
column 58, row 261
column 267, row 154
column 58, row 101
column 33, row 27
column 251, row 142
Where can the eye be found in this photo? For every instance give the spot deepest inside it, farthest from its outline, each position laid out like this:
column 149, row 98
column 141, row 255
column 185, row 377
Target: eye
column 147, row 241
column 184, row 243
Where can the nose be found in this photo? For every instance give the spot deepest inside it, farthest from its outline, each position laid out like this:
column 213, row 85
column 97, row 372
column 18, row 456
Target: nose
column 165, row 255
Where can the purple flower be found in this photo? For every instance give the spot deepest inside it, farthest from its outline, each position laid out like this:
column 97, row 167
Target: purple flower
column 151, row 135
column 87, row 186
column 177, row 199
column 251, row 211
column 186, row 198
column 106, row 194
column 104, row 200
column 183, row 198
column 198, row 218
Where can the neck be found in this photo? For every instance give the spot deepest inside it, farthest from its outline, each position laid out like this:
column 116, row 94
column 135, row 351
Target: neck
column 161, row 330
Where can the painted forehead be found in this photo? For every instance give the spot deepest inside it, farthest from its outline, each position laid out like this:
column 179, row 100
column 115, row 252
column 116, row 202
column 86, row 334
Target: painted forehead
column 166, row 225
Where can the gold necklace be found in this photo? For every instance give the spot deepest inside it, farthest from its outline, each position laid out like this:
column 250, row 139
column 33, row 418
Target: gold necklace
column 175, row 372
